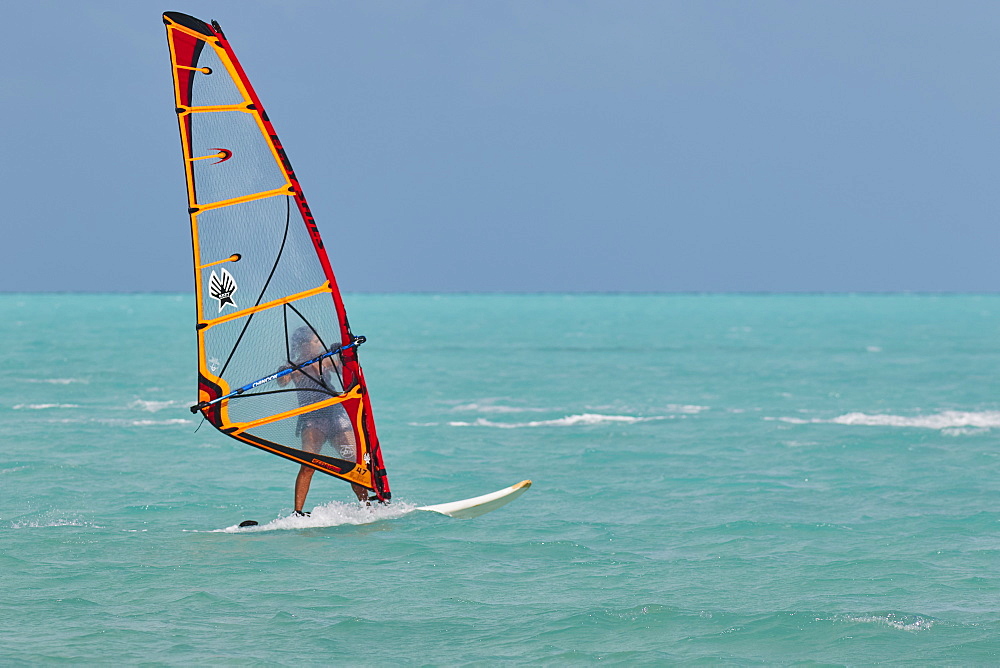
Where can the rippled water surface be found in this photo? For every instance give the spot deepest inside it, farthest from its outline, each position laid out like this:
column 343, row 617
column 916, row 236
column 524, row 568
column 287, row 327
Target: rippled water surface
column 724, row 479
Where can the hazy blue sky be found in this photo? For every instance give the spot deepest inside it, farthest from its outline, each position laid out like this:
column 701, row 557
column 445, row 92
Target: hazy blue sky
column 530, row 146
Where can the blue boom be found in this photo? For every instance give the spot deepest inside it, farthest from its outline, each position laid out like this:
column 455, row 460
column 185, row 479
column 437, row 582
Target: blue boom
column 358, row 340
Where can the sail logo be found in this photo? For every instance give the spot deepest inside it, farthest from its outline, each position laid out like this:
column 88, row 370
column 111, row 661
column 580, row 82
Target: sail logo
column 264, row 380
column 222, row 287
column 327, row 466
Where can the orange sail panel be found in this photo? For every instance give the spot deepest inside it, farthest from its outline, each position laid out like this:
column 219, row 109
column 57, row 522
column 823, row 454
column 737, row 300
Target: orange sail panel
column 277, row 361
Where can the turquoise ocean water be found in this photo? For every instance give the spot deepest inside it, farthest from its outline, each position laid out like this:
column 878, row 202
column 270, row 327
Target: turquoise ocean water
column 723, row 479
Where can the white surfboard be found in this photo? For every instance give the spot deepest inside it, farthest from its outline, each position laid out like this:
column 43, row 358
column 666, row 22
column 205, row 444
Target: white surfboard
column 479, row 505
column 359, row 514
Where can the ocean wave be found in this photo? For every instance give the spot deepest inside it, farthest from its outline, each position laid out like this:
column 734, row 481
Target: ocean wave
column 687, row 409
column 120, row 422
column 946, row 420
column 332, row 514
column 790, row 420
column 153, row 406
column 912, row 623
column 486, row 407
column 585, row 419
column 965, row 431
column 150, row 423
column 56, row 381
column 494, row 408
column 42, row 407
column 42, row 524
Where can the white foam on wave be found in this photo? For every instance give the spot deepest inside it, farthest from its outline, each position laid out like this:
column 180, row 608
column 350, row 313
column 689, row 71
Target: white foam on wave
column 790, row 420
column 946, row 420
column 152, row 406
column 151, row 423
column 964, row 431
column 494, row 408
column 42, row 407
column 911, row 623
column 42, row 524
column 585, row 419
column 332, row 514
column 121, row 422
column 687, row 409
column 56, row 381
column 485, row 407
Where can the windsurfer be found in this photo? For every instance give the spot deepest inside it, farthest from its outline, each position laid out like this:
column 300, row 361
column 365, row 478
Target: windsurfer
column 325, row 424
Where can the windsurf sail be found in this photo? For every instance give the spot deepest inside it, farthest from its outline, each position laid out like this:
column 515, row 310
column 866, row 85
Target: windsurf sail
column 277, row 361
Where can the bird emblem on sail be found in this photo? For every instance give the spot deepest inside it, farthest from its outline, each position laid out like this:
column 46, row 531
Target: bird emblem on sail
column 222, row 287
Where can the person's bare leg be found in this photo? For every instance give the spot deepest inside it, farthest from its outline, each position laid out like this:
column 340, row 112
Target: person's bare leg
column 312, row 441
column 360, row 492
column 302, row 482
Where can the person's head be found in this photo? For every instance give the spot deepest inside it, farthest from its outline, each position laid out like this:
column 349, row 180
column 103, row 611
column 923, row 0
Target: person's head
column 305, row 343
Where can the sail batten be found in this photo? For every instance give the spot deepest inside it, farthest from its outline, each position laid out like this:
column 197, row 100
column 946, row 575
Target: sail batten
column 263, row 307
column 267, row 298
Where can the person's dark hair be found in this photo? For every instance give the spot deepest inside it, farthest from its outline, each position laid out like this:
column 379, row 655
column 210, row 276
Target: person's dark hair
column 302, row 337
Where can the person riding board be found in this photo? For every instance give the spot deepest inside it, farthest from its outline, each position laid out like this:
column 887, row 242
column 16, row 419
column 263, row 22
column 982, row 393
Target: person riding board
column 329, row 423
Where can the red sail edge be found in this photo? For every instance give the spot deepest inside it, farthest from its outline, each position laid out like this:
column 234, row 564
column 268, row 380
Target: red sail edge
column 186, row 49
